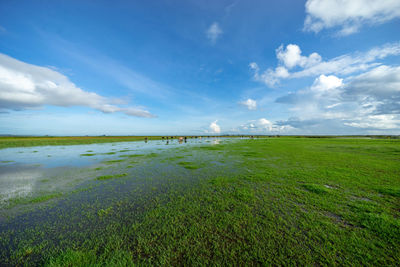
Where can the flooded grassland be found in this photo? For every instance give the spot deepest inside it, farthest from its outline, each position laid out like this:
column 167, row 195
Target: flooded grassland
column 209, row 201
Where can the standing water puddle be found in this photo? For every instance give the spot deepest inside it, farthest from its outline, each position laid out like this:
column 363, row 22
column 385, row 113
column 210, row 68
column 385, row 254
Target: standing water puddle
column 26, row 171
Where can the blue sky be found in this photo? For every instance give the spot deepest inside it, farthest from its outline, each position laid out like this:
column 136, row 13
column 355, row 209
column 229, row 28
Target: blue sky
column 199, row 67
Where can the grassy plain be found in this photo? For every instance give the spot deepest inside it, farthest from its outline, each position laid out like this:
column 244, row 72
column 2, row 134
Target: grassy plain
column 67, row 140
column 274, row 201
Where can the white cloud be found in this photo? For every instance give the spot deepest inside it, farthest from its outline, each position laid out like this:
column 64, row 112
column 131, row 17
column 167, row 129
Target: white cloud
column 368, row 101
column 264, row 121
column 291, row 57
column 326, row 84
column 214, row 127
column 250, row 104
column 378, row 89
column 380, row 82
column 313, row 65
column 269, row 77
column 348, row 15
column 351, row 63
column 23, row 86
column 213, row 32
column 262, row 126
column 322, row 100
column 383, row 122
column 254, row 66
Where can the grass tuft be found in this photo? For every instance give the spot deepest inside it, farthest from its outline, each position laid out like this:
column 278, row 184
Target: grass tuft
column 315, row 188
column 88, row 154
column 189, row 165
column 390, row 191
column 107, row 177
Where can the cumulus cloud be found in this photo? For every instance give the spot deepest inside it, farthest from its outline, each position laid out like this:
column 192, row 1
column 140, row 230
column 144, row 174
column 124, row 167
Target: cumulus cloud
column 288, row 58
column 24, row 86
column 270, row 77
column 213, row 32
column 348, row 15
column 370, row 100
column 214, row 127
column 379, row 87
column 322, row 100
column 381, row 82
column 250, row 104
column 262, row 126
column 291, row 58
column 324, row 85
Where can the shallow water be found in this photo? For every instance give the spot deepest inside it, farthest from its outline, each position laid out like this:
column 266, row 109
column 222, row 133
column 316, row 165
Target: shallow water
column 80, row 205
column 83, row 155
column 30, row 171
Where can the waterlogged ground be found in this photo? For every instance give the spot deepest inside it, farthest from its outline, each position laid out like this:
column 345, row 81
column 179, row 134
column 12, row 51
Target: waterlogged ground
column 31, row 171
column 274, row 201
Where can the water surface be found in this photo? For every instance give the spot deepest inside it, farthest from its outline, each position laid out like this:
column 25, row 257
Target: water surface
column 29, row 171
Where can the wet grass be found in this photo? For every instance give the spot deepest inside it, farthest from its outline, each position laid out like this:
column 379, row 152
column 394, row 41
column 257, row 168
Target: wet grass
column 67, row 140
column 281, row 201
column 390, row 191
column 113, row 161
column 315, row 188
column 189, row 165
column 88, row 155
column 176, row 158
column 107, row 177
column 132, row 156
column 38, row 199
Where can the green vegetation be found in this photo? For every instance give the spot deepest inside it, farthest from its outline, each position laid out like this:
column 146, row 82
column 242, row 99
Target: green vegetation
column 391, row 191
column 38, row 199
column 67, row 140
column 132, row 156
column 44, row 198
column 189, row 165
column 318, row 189
column 113, row 161
column 88, row 154
column 107, row 177
column 276, row 201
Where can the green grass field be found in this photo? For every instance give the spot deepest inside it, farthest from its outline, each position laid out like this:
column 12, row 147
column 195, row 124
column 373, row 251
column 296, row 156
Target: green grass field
column 67, row 140
column 274, row 201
